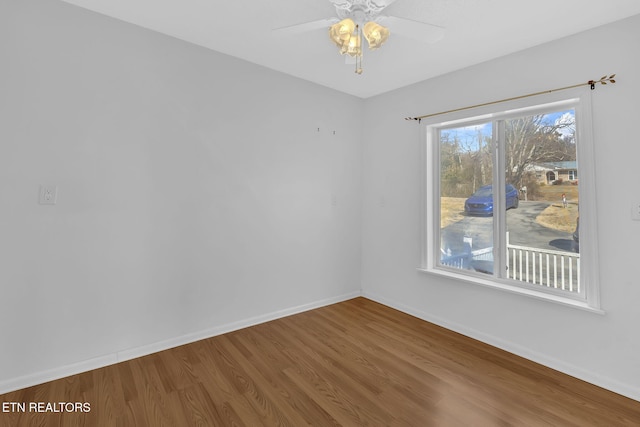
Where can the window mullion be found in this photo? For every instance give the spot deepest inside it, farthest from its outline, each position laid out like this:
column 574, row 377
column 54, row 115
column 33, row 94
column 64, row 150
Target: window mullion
column 499, row 201
column 431, row 203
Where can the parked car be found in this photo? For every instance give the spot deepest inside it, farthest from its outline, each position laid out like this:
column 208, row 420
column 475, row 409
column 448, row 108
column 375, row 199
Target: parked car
column 481, row 202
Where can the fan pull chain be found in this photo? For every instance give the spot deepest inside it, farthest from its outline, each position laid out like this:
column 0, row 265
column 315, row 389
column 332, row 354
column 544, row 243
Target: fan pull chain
column 360, row 54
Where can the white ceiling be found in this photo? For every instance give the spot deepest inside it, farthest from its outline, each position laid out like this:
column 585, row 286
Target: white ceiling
column 474, row 31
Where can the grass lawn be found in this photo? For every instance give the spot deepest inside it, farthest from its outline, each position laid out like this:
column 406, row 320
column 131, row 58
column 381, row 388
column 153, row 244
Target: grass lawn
column 556, row 216
column 452, row 210
column 553, row 193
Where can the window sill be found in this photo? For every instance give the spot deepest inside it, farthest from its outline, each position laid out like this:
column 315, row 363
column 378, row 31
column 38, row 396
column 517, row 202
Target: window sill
column 558, row 299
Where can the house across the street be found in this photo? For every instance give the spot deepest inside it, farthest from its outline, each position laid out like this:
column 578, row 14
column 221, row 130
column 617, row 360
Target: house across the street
column 550, row 172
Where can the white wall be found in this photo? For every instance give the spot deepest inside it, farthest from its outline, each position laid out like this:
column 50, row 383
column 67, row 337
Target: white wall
column 196, row 193
column 601, row 349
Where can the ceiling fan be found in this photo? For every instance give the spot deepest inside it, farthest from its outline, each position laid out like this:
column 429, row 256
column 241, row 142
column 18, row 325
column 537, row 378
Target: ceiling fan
column 357, row 18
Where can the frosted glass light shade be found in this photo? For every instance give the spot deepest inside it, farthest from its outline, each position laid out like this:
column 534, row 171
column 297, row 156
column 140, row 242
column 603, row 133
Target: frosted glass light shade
column 340, row 33
column 375, row 34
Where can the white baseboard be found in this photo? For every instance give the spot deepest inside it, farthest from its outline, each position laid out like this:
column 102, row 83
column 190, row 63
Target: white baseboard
column 18, row 383
column 21, row 382
column 628, row 390
column 229, row 327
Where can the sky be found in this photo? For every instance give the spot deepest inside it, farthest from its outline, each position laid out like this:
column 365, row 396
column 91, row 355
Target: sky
column 468, row 135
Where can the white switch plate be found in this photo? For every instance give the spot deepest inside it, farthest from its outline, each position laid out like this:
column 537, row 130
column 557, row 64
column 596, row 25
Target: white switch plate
column 635, row 211
column 48, row 195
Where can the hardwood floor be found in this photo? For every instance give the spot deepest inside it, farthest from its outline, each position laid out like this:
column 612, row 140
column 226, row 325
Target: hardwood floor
column 350, row 364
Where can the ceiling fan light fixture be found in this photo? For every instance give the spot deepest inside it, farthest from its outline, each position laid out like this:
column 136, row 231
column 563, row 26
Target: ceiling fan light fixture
column 347, row 34
column 375, row 34
column 341, row 32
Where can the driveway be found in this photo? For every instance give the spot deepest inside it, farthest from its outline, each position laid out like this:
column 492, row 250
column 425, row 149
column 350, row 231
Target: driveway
column 522, row 227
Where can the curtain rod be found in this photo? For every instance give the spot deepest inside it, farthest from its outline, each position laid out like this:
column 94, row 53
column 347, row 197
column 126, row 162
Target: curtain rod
column 603, row 80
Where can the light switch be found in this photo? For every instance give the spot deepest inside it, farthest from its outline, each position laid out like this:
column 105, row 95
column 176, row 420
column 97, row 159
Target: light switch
column 48, row 195
column 635, row 211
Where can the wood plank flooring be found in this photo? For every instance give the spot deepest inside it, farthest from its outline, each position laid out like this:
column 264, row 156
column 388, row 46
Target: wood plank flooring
column 350, row 364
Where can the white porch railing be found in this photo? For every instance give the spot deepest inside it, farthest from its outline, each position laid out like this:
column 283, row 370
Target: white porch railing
column 544, row 267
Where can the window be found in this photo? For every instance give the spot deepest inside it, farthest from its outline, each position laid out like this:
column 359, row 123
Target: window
column 502, row 199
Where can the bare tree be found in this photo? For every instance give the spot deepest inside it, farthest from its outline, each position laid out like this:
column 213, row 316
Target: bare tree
column 466, row 161
column 532, row 140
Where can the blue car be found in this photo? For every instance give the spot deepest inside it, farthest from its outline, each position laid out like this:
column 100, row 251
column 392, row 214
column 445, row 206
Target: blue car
column 481, row 202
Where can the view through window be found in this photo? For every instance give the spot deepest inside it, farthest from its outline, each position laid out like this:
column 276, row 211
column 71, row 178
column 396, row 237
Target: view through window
column 507, row 198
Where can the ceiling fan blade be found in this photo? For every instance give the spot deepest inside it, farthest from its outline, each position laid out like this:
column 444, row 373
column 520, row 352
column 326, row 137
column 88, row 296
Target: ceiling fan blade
column 370, row 5
column 305, row 27
column 421, row 31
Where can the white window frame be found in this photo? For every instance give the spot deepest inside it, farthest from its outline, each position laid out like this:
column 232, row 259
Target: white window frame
column 580, row 100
